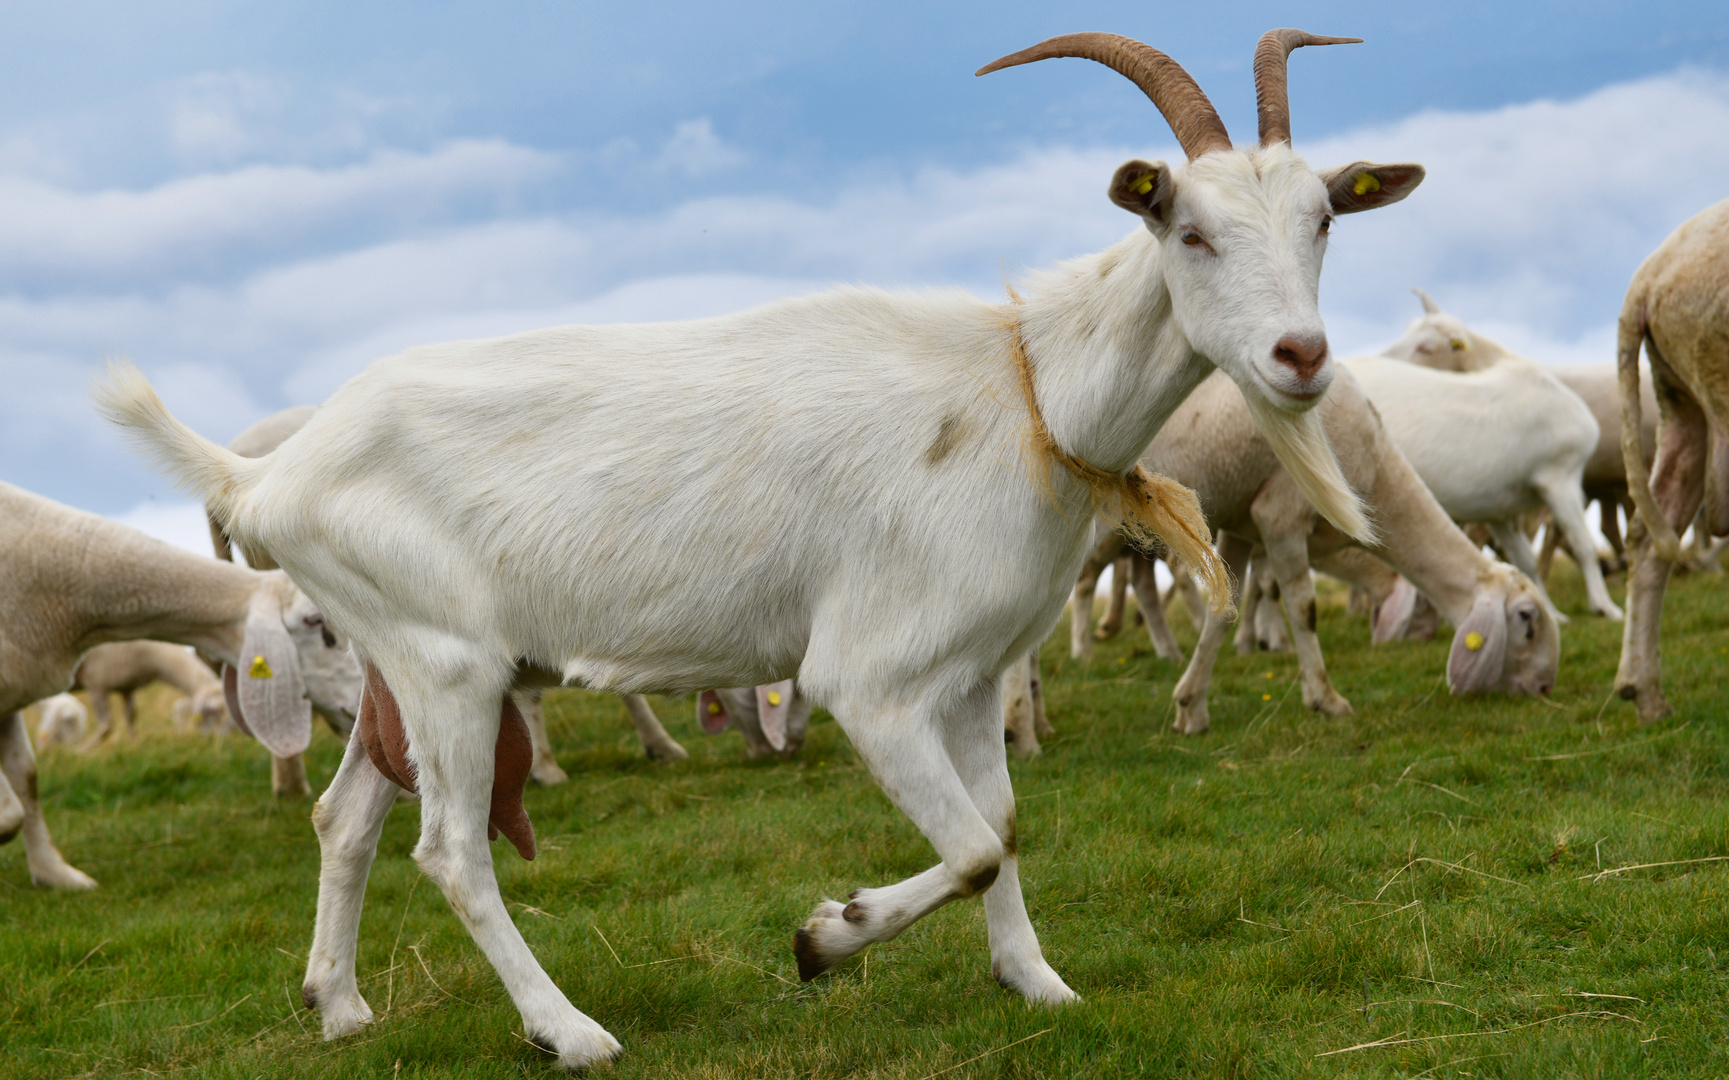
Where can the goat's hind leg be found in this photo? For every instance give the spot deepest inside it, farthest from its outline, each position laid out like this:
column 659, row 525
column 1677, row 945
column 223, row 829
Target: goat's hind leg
column 348, row 818
column 452, row 731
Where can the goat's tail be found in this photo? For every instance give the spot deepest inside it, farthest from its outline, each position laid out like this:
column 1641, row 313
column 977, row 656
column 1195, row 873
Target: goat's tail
column 1631, row 334
column 198, row 466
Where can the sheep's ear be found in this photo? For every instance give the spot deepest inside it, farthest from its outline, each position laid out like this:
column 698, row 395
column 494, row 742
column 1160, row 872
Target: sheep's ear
column 1479, row 648
column 269, row 696
column 711, row 713
column 773, row 703
column 1364, row 186
column 1393, row 617
column 1146, row 189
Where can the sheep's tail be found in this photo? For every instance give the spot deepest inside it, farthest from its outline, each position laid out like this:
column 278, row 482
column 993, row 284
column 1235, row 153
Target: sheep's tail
column 1631, row 335
column 214, row 473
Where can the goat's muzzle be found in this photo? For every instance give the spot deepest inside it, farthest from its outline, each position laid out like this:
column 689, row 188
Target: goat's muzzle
column 1305, row 356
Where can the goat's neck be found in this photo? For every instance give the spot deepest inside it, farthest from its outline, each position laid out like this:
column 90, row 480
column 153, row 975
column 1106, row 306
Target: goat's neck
column 1110, row 364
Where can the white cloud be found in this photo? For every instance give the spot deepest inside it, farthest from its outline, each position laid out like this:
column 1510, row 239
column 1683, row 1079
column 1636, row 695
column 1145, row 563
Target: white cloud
column 695, row 150
column 182, row 524
column 1530, row 223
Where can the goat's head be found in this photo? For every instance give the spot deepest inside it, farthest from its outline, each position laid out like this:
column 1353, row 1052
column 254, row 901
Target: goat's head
column 1440, row 340
column 1243, row 232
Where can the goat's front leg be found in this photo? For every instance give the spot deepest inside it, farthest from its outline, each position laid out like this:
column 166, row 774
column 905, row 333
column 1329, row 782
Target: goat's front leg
column 452, row 730
column 544, row 770
column 1191, row 690
column 908, row 751
column 347, row 818
column 1516, row 546
column 1567, row 512
column 48, row 869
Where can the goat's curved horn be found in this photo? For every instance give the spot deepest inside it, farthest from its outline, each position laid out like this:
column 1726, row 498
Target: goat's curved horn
column 1429, row 305
column 1191, row 116
column 1271, row 99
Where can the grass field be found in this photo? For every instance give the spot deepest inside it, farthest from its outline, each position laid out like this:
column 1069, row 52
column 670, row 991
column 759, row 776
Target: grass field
column 1422, row 876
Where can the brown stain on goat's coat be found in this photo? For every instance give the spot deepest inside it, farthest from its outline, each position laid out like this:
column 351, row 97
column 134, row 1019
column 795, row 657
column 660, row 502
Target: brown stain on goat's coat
column 379, row 728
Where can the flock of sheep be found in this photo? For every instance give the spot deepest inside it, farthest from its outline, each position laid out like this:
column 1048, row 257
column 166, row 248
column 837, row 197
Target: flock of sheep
column 888, row 496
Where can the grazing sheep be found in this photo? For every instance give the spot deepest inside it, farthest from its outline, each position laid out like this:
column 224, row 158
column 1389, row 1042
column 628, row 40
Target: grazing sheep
column 70, row 581
column 541, row 509
column 63, row 720
column 122, row 667
column 772, row 719
column 1492, row 444
column 1677, row 307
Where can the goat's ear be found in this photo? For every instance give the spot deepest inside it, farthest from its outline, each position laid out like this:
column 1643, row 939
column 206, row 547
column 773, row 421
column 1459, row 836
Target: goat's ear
column 269, row 698
column 773, row 704
column 1364, row 186
column 1145, row 188
column 1479, row 648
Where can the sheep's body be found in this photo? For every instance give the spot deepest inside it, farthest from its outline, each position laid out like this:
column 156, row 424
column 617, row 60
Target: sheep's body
column 1677, row 307
column 1492, row 444
column 544, row 506
column 70, row 581
column 122, row 667
column 63, row 721
column 1211, row 445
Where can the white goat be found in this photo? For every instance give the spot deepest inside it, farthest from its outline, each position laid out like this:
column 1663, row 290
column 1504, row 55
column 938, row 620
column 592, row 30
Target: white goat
column 542, row 508
column 70, row 581
column 123, row 667
column 63, row 720
column 1493, row 434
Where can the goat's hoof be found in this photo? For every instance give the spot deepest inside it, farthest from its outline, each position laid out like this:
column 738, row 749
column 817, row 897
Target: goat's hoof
column 550, row 775
column 575, row 1041
column 1192, row 719
column 833, row 932
column 343, row 1014
column 1333, row 705
column 61, row 876
column 1035, row 981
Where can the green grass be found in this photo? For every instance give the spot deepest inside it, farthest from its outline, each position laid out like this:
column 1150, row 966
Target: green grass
column 1235, row 905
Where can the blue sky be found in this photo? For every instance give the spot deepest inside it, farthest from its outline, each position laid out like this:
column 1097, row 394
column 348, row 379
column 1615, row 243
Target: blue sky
column 252, row 200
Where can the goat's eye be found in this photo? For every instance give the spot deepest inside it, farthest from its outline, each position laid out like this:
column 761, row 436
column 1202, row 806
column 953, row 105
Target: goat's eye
column 1326, row 225
column 1193, row 238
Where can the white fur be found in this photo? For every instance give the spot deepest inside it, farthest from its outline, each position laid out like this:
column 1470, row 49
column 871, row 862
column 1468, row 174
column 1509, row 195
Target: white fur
column 828, row 487
column 64, row 720
column 123, row 667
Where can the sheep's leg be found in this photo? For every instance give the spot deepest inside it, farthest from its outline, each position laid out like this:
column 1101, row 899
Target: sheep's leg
column 129, row 710
column 1546, row 556
column 1153, row 610
column 452, row 732
column 1184, row 586
column 910, row 755
column 1270, row 632
column 1081, row 605
column 1019, row 729
column 1511, row 541
column 347, row 818
column 1244, row 639
column 1191, row 690
column 104, row 718
column 288, row 778
column 1041, row 725
column 1567, row 511
column 1288, row 557
column 1113, row 622
column 544, row 771
column 656, row 743
column 1677, row 482
column 18, row 763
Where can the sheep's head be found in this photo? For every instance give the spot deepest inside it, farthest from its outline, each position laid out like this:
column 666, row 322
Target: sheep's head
column 1243, row 232
column 289, row 664
column 1508, row 642
column 1439, row 340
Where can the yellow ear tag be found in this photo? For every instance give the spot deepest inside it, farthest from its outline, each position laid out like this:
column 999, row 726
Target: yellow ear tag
column 259, row 669
column 1473, row 641
column 774, row 697
column 1144, row 184
column 1365, row 183
column 714, row 708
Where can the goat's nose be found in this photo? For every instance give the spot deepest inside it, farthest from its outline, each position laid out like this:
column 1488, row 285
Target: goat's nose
column 1303, row 355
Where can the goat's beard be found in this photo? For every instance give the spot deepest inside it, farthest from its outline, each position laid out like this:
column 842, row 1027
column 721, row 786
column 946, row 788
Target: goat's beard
column 1300, row 441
